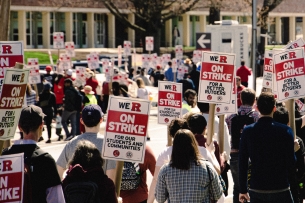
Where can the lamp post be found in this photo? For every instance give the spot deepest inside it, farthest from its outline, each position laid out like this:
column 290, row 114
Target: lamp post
column 254, row 30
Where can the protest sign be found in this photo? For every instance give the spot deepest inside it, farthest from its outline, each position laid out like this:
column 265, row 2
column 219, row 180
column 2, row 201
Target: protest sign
column 58, row 40
column 182, row 69
column 10, row 53
column 289, row 74
column 34, row 76
column 169, row 101
column 70, row 49
column 154, row 60
column 127, row 48
column 145, row 60
column 179, row 51
column 11, row 101
column 222, row 109
column 197, row 55
column 64, row 63
column 295, row 44
column 93, row 60
column 126, row 129
column 149, row 43
column 11, row 178
column 268, row 70
column 165, row 58
column 216, row 77
column 80, row 74
column 300, row 105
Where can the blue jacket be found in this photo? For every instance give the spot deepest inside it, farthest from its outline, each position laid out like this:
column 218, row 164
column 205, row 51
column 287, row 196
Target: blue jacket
column 169, row 74
column 270, row 147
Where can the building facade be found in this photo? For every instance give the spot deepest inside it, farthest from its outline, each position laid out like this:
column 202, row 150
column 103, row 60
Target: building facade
column 91, row 25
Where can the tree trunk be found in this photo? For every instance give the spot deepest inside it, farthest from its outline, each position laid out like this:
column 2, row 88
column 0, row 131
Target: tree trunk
column 214, row 15
column 5, row 19
column 264, row 29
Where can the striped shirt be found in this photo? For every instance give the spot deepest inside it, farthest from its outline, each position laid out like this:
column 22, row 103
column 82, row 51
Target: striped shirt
column 196, row 185
column 31, row 99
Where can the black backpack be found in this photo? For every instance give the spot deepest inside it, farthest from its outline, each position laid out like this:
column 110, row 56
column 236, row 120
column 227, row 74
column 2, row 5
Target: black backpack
column 78, row 101
column 131, row 176
column 238, row 122
column 83, row 191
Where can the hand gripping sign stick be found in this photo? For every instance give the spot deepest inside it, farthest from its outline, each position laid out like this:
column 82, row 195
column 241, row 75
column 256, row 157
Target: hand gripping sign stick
column 221, row 133
column 291, row 108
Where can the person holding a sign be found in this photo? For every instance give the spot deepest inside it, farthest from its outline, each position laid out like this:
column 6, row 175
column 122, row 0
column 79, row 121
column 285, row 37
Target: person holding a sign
column 143, row 77
column 169, row 72
column 188, row 172
column 243, row 72
column 92, row 117
column 45, row 181
column 270, row 147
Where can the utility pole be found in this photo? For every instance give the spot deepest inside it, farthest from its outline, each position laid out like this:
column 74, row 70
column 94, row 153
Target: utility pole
column 253, row 52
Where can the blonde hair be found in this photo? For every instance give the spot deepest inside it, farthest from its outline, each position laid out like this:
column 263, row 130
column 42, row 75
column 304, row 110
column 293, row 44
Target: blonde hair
column 140, row 83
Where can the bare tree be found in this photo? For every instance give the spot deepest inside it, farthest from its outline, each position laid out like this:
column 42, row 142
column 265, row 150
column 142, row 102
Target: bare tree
column 5, row 19
column 151, row 14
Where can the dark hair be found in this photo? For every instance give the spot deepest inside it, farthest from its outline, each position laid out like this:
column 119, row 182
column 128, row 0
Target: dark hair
column 116, row 88
column 175, row 125
column 247, row 96
column 242, row 62
column 124, row 90
column 188, row 92
column 281, row 115
column 169, row 63
column 196, row 123
column 162, row 76
column 69, row 80
column 265, row 103
column 138, row 72
column 58, row 78
column 185, row 150
column 87, row 155
column 203, row 107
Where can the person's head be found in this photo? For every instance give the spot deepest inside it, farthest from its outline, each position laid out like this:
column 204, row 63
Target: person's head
column 31, row 121
column 266, row 103
column 247, row 96
column 190, row 96
column 140, row 83
column 92, row 115
column 68, row 82
column 196, row 123
column 58, row 78
column 185, row 150
column 281, row 115
column 48, row 69
column 170, row 63
column 242, row 62
column 69, row 72
column 175, row 125
column 238, row 81
column 124, row 90
column 88, row 89
column 47, row 86
column 131, row 70
column 116, row 88
column 158, row 67
column 89, row 74
column 203, row 107
column 143, row 71
column 87, row 155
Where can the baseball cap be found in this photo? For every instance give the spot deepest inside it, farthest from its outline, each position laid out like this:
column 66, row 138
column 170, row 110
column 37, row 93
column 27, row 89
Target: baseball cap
column 31, row 117
column 91, row 115
column 158, row 67
column 47, row 86
column 48, row 68
column 69, row 72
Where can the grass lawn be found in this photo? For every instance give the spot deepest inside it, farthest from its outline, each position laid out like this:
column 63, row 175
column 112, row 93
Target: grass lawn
column 43, row 58
column 270, row 47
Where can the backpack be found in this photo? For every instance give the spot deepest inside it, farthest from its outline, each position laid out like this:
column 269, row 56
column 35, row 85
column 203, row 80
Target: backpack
column 78, row 101
column 131, row 176
column 82, row 191
column 28, row 169
column 238, row 122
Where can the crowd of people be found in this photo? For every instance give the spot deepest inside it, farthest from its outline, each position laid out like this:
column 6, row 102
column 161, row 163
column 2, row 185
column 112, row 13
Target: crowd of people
column 259, row 148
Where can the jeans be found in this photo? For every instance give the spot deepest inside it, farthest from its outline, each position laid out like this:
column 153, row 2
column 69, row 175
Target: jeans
column 69, row 115
column 280, row 197
column 235, row 175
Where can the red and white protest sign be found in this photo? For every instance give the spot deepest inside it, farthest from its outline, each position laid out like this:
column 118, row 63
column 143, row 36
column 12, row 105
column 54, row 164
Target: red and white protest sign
column 216, row 77
column 268, row 69
column 34, row 77
column 181, row 71
column 175, row 64
column 11, row 101
column 64, row 62
column 169, row 101
column 289, row 74
column 295, row 44
column 231, row 108
column 127, row 48
column 197, row 56
column 93, row 60
column 70, row 49
column 10, row 53
column 153, row 60
column 149, row 43
column 80, row 74
column 146, row 61
column 165, row 58
column 126, row 129
column 58, row 40
column 179, row 51
column 11, row 178
column 106, row 68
